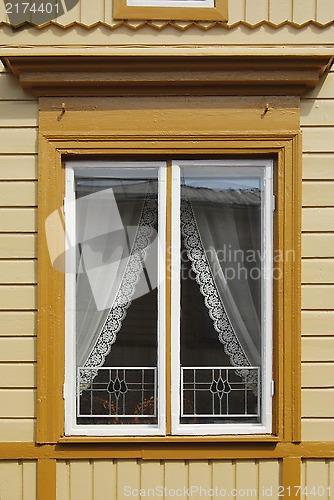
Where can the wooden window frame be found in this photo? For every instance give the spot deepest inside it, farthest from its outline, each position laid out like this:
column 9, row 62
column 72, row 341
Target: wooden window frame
column 218, row 12
column 100, row 128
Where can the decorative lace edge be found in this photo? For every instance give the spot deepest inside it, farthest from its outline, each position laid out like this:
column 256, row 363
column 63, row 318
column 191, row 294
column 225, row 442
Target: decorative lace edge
column 123, row 298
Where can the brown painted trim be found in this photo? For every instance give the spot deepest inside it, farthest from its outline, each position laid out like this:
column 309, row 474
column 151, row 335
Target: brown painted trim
column 216, row 13
column 291, row 477
column 175, row 24
column 46, row 479
column 167, row 75
column 170, row 451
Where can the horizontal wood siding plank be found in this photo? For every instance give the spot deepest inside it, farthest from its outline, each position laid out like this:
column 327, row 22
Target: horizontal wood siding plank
column 24, row 271
column 20, row 323
column 18, row 194
column 318, row 194
column 318, row 245
column 318, row 403
column 318, row 166
column 17, row 349
column 17, row 430
column 18, row 113
column 317, row 323
column 10, row 89
column 318, row 297
column 17, row 403
column 18, row 246
column 318, row 219
column 318, row 375
column 325, row 88
column 317, row 430
column 318, row 349
column 15, row 220
column 318, row 271
column 18, row 297
column 18, row 167
column 17, row 140
column 316, row 112
column 318, row 139
column 17, row 375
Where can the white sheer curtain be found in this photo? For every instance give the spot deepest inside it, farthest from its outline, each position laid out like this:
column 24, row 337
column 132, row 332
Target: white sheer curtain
column 217, row 233
column 109, row 263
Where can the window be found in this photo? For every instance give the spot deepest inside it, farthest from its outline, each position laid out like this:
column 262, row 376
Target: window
column 185, row 10
column 132, row 370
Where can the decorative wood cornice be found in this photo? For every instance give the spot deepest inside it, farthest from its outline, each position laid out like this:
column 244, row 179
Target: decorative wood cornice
column 167, row 75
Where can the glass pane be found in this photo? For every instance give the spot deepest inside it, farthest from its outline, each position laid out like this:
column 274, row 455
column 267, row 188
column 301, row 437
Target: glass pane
column 116, row 296
column 221, row 294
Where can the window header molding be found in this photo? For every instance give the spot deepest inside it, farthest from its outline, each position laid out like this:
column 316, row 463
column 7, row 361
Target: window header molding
column 167, row 75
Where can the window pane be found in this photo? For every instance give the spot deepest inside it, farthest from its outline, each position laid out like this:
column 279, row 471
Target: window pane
column 221, row 294
column 116, row 296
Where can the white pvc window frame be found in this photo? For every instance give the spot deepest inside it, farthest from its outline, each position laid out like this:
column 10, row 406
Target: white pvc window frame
column 233, row 168
column 72, row 428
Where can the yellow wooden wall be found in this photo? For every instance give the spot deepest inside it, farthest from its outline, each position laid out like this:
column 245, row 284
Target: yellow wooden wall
column 89, row 12
column 18, row 480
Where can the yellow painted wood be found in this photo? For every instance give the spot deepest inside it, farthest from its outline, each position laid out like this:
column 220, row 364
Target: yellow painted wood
column 18, row 403
column 325, row 89
column 317, row 323
column 14, row 246
column 246, row 479
column 16, row 140
column 269, row 478
column 318, row 403
column 223, row 474
column 318, row 374
column 318, row 139
column 318, row 245
column 10, row 89
column 317, row 429
column 108, row 8
column 304, row 10
column 151, row 477
column 18, row 193
column 256, row 11
column 316, row 474
column 318, row 194
column 318, row 271
column 47, row 478
column 17, row 297
column 325, row 10
column 17, row 375
column 24, row 271
column 21, row 323
column 103, row 469
column 81, row 480
column 16, row 349
column 10, row 480
column 318, row 166
column 316, row 112
column 18, row 220
column 280, row 11
column 128, row 475
column 318, row 348
column 199, row 476
column 29, row 479
column 91, row 12
column 18, row 113
column 70, row 15
column 18, row 167
column 291, row 476
column 318, row 297
column 63, row 480
column 236, row 11
column 17, row 430
column 176, row 474
column 318, row 219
